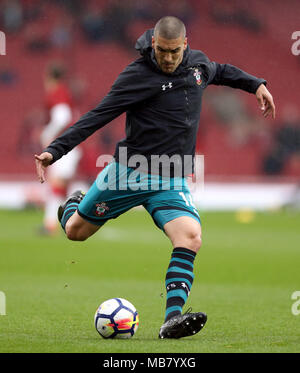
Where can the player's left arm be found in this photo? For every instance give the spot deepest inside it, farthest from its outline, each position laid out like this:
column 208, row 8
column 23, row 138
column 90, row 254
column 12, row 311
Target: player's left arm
column 232, row 76
column 265, row 101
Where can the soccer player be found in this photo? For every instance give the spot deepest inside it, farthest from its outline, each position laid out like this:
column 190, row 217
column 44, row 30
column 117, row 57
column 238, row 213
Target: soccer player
column 161, row 94
column 60, row 109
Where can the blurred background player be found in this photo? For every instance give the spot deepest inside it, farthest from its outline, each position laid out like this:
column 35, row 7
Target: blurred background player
column 61, row 113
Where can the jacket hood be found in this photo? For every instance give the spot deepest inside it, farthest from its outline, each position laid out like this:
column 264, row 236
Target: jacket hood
column 191, row 58
column 144, row 42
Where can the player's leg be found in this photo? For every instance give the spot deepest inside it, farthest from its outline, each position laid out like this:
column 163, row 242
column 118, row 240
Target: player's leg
column 79, row 229
column 75, row 227
column 82, row 215
column 184, row 231
column 175, row 213
column 185, row 234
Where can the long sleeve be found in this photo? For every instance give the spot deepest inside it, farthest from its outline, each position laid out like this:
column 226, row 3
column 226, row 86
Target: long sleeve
column 129, row 89
column 229, row 75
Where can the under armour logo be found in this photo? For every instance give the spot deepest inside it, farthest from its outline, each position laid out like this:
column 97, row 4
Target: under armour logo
column 178, row 286
column 184, row 286
column 164, row 87
column 171, row 286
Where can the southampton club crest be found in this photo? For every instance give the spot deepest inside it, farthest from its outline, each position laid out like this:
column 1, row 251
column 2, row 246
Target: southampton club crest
column 197, row 75
column 101, row 209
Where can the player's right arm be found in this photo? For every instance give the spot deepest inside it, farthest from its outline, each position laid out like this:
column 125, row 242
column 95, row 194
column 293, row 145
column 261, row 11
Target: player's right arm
column 131, row 87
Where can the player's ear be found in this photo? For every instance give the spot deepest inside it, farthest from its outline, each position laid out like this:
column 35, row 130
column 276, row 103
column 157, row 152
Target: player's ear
column 153, row 41
column 185, row 44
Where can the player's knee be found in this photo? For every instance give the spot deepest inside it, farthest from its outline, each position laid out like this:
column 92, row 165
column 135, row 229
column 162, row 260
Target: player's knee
column 74, row 233
column 75, row 236
column 195, row 241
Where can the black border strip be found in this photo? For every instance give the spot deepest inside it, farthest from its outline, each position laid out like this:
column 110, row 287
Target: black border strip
column 171, row 208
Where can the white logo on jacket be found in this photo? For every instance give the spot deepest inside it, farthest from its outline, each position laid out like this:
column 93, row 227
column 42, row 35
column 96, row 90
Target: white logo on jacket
column 169, row 85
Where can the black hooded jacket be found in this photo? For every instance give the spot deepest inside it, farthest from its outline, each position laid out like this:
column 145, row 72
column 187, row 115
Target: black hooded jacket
column 162, row 110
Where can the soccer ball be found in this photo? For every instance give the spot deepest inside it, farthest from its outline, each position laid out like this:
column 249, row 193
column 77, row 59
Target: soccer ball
column 116, row 318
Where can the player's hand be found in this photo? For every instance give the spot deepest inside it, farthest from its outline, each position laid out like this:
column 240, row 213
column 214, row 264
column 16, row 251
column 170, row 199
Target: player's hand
column 42, row 161
column 265, row 101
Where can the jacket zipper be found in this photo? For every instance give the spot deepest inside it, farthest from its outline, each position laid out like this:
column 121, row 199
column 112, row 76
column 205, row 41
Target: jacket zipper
column 187, row 110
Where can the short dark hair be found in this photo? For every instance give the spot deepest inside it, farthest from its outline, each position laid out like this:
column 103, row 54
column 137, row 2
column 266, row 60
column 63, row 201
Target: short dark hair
column 56, row 71
column 170, row 27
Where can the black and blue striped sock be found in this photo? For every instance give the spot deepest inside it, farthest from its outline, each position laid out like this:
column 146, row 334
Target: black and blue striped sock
column 179, row 280
column 70, row 208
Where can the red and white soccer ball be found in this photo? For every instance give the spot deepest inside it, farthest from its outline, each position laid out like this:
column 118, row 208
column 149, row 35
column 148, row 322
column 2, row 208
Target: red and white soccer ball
column 116, row 318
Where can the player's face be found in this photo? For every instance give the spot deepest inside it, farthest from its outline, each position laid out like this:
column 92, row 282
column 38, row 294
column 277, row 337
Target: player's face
column 169, row 53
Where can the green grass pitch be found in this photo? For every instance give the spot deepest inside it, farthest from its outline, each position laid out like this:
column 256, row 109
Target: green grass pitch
column 245, row 274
